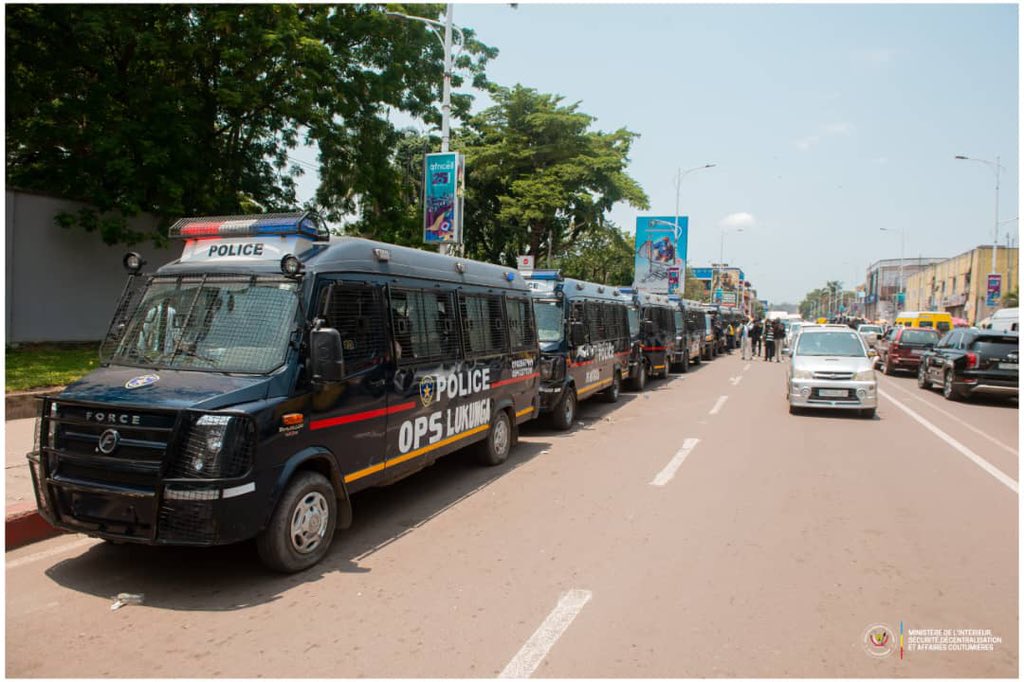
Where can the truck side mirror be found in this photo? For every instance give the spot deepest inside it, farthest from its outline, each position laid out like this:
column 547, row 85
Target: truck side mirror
column 328, row 363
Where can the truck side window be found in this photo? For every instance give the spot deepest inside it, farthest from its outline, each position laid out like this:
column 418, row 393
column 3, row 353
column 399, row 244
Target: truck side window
column 423, row 324
column 355, row 311
column 522, row 334
column 483, row 325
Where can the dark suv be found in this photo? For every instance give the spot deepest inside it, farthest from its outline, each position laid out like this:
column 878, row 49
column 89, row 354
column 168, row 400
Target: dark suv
column 969, row 361
column 902, row 347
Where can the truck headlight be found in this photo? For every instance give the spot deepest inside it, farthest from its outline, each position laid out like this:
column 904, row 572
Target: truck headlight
column 865, row 375
column 216, row 446
column 803, row 374
column 552, row 368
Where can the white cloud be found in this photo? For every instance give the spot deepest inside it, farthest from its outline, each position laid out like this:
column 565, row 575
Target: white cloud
column 741, row 220
column 823, row 131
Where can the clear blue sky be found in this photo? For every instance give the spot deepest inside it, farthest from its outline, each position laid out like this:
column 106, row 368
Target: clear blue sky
column 826, row 122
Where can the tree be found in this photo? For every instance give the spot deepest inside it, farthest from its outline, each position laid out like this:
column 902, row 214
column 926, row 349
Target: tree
column 538, row 178
column 192, row 109
column 1010, row 300
column 694, row 288
column 602, row 254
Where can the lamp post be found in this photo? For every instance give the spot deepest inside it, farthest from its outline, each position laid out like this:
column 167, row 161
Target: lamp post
column 446, row 93
column 902, row 242
column 995, row 166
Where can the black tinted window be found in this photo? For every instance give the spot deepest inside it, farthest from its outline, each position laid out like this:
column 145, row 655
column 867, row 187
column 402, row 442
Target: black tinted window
column 423, row 324
column 994, row 346
column 483, row 325
column 355, row 311
column 521, row 330
column 919, row 336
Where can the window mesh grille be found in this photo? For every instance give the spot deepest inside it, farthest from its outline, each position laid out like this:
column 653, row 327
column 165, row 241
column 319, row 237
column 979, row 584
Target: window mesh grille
column 424, row 325
column 521, row 329
column 483, row 325
column 355, row 311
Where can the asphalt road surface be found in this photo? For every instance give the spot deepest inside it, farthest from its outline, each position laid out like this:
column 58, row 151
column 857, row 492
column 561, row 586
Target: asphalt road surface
column 695, row 530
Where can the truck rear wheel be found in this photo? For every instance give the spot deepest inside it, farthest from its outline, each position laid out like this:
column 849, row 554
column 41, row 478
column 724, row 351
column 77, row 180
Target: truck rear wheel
column 302, row 527
column 640, row 380
column 611, row 394
column 494, row 449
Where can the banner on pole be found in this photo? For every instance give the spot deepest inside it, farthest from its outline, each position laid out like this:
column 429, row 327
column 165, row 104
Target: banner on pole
column 660, row 246
column 443, row 193
column 995, row 289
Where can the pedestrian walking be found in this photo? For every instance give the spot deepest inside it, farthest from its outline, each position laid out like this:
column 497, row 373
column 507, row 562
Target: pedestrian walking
column 780, row 334
column 755, row 337
column 769, row 341
column 745, row 340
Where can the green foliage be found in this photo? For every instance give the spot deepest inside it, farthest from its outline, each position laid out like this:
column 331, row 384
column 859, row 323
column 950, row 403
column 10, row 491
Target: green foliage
column 602, row 254
column 538, row 178
column 1010, row 300
column 693, row 288
column 192, row 109
column 42, row 365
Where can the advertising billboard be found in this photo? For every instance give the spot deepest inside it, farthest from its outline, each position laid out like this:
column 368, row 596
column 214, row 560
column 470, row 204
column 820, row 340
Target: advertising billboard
column 995, row 289
column 660, row 246
column 443, row 192
column 728, row 286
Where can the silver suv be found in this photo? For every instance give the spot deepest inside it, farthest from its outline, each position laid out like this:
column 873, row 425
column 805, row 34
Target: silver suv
column 831, row 368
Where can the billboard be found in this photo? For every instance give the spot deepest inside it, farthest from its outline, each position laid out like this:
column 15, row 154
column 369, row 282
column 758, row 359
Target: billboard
column 443, row 192
column 660, row 246
column 728, row 286
column 995, row 289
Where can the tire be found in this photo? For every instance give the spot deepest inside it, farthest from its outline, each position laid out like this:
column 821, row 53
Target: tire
column 684, row 366
column 564, row 414
column 494, row 449
column 868, row 413
column 922, row 377
column 641, row 379
column 611, row 394
column 700, row 357
column 949, row 391
column 302, row 526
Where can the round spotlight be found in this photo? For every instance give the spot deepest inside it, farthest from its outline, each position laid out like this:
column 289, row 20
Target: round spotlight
column 133, row 262
column 805, row 392
column 861, row 393
column 291, row 266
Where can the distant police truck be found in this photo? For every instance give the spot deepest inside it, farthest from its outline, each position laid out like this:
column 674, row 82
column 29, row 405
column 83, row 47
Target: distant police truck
column 249, row 388
column 583, row 331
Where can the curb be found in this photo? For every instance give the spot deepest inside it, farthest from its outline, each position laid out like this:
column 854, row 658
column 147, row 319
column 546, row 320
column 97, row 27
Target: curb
column 25, row 526
column 22, row 405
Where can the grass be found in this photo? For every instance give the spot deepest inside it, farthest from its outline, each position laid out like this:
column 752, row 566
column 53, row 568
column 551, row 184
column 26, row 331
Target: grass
column 40, row 365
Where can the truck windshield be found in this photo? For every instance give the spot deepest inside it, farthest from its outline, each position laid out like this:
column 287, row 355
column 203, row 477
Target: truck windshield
column 219, row 325
column 550, row 324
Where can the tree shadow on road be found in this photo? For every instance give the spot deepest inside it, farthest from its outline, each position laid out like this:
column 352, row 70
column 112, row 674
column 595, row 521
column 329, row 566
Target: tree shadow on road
column 231, row 577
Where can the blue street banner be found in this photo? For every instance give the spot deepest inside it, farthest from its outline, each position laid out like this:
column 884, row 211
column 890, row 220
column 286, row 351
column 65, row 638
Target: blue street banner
column 995, row 289
column 443, row 193
column 660, row 246
column 703, row 273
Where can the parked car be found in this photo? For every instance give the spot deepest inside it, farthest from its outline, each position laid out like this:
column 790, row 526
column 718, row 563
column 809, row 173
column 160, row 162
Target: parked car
column 792, row 331
column 901, row 348
column 1002, row 320
column 870, row 332
column 969, row 361
column 831, row 368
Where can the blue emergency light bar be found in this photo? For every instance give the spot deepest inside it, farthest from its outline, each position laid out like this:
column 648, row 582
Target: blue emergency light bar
column 553, row 275
column 262, row 225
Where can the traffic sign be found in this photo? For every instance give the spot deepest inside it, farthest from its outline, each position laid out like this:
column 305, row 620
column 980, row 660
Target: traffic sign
column 524, row 262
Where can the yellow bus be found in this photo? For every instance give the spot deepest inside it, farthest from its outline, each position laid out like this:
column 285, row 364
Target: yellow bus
column 929, row 319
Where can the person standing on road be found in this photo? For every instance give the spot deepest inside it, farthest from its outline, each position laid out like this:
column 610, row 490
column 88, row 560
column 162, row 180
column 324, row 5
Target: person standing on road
column 755, row 337
column 780, row 334
column 730, row 334
column 745, row 340
column 769, row 340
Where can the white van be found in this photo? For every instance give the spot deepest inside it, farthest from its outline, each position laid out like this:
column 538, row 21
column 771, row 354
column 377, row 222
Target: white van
column 1002, row 320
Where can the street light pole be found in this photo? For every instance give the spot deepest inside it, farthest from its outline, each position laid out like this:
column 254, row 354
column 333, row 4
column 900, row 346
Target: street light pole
column 995, row 166
column 679, row 181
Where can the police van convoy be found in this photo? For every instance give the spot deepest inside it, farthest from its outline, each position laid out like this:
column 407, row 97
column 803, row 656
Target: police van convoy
column 692, row 336
column 250, row 387
column 583, row 330
column 656, row 336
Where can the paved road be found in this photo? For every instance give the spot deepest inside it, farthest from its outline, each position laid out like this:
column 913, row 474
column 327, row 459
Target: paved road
column 672, row 535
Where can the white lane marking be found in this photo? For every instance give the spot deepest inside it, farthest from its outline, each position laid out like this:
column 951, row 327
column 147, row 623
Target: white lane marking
column 718, row 404
column 958, row 420
column 955, row 444
column 746, row 367
column 21, row 561
column 537, row 647
column 666, row 474
column 736, row 380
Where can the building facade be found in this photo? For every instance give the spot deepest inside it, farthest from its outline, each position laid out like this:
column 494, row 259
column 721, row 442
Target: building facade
column 959, row 285
column 882, row 286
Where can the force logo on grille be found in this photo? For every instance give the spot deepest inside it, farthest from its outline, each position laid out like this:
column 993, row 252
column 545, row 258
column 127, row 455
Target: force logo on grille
column 109, row 440
column 139, row 382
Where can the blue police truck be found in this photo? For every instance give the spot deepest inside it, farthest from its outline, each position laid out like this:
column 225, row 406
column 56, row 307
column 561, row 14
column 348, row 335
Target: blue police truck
column 583, row 331
column 250, row 387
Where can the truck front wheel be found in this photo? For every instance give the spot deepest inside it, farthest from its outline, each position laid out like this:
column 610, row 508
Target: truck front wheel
column 302, row 527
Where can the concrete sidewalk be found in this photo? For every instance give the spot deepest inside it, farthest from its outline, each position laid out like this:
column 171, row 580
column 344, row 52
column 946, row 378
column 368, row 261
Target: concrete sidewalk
column 23, row 525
